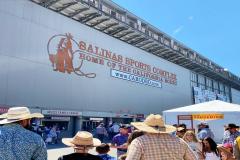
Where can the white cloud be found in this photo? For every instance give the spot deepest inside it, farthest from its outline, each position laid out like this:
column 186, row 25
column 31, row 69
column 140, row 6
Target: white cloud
column 179, row 29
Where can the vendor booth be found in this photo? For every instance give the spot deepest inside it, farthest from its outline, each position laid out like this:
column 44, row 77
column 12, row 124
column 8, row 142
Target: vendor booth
column 216, row 113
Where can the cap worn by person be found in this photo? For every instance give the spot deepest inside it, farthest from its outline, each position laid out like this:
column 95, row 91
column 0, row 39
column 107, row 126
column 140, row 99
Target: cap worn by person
column 154, row 124
column 16, row 114
column 203, row 123
column 82, row 138
column 124, row 126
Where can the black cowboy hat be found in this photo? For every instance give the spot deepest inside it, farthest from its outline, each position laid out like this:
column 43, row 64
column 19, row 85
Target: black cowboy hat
column 232, row 125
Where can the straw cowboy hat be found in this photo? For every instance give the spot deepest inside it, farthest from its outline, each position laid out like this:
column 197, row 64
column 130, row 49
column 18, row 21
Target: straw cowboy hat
column 154, row 124
column 15, row 114
column 179, row 129
column 82, row 138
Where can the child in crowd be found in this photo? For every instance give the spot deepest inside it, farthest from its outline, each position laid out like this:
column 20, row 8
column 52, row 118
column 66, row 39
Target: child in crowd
column 226, row 152
column 102, row 150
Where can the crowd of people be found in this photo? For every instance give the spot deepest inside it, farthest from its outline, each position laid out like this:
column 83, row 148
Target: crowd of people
column 151, row 139
column 50, row 134
column 205, row 147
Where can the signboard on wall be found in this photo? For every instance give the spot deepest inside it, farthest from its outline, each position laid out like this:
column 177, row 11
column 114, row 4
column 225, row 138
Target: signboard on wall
column 71, row 54
column 61, row 113
column 136, row 79
column 201, row 95
column 60, row 118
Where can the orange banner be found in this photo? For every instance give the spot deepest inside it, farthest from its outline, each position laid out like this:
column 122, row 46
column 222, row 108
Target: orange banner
column 207, row 116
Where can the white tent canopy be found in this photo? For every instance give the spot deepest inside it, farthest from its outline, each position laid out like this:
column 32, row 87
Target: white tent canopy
column 206, row 107
column 231, row 114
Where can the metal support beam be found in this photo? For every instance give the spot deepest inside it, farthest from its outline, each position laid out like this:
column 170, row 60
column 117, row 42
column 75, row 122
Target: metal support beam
column 189, row 65
column 91, row 17
column 204, row 72
column 184, row 64
column 173, row 57
column 132, row 37
column 138, row 41
column 153, row 45
column 127, row 33
column 163, row 55
column 118, row 30
column 158, row 51
column 163, row 52
column 196, row 68
column 176, row 60
column 99, row 22
column 109, row 26
column 48, row 3
column 169, row 55
column 150, row 49
column 87, row 16
column 201, row 71
column 147, row 43
column 78, row 12
column 182, row 61
column 66, row 6
column 156, row 48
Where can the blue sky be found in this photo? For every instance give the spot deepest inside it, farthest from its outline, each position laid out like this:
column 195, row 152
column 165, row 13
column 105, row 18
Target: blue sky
column 210, row 27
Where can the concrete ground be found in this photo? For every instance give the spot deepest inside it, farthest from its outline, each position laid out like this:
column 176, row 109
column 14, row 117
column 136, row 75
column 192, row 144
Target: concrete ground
column 57, row 150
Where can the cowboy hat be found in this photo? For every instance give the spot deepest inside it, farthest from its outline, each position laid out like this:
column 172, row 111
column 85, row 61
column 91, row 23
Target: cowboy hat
column 154, row 124
column 15, row 114
column 180, row 129
column 82, row 138
column 232, row 125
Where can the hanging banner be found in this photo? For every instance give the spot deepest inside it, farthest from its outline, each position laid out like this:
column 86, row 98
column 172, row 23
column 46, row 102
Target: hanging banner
column 207, row 116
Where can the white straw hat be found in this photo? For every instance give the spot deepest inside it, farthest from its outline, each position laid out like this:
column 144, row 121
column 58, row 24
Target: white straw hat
column 82, row 138
column 154, row 124
column 15, row 114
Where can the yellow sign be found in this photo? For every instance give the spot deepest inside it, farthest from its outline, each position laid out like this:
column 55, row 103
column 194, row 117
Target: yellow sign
column 207, row 116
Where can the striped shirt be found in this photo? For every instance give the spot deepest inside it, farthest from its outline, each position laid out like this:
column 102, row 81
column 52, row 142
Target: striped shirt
column 17, row 143
column 159, row 147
